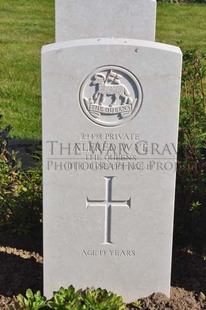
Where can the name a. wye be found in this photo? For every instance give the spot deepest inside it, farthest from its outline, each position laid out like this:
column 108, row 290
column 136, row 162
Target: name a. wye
column 111, row 253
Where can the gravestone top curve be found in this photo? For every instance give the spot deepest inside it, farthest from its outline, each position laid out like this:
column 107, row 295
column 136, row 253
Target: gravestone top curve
column 111, row 41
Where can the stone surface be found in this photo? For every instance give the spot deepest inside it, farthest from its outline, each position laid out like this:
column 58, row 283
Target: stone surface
column 110, row 128
column 77, row 19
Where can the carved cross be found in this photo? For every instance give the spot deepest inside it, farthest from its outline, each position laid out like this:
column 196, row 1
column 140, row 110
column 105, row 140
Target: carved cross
column 108, row 204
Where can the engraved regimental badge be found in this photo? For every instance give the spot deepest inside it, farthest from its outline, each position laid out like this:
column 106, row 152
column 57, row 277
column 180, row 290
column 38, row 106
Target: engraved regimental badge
column 110, row 96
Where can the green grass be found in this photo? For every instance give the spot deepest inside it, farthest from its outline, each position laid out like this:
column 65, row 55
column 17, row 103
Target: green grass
column 26, row 25
column 183, row 25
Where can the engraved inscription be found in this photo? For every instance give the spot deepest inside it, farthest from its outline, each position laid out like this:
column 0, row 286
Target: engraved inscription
column 110, row 96
column 111, row 152
column 111, row 253
column 108, row 203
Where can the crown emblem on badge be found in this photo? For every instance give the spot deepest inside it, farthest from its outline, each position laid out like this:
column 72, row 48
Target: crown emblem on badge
column 110, row 96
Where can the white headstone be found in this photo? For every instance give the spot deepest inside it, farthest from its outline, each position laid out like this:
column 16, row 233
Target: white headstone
column 78, row 19
column 110, row 124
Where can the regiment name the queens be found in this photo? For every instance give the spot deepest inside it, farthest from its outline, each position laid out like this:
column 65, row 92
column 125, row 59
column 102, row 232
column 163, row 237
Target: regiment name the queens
column 111, row 110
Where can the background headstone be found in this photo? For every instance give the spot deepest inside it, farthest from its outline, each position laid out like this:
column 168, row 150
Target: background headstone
column 78, row 19
column 110, row 124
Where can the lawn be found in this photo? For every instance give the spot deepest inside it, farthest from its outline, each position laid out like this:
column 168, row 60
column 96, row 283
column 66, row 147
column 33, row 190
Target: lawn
column 183, row 25
column 24, row 27
column 27, row 25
